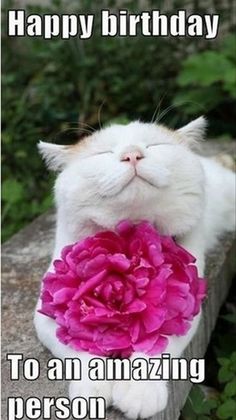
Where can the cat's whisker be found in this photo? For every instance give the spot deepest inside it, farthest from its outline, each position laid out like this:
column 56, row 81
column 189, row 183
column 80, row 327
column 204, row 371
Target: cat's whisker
column 157, row 109
column 81, row 123
column 78, row 124
column 165, row 112
column 175, row 106
column 99, row 114
column 87, row 125
column 75, row 130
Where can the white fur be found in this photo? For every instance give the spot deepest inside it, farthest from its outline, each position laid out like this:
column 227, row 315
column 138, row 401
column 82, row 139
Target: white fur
column 183, row 194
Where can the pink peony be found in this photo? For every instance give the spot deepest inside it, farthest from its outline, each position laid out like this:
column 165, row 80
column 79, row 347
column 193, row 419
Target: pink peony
column 118, row 292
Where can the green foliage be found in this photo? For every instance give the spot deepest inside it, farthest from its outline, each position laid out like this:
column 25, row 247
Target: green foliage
column 227, row 400
column 198, row 407
column 221, row 403
column 227, row 370
column 49, row 86
column 222, row 406
column 208, row 79
column 19, row 205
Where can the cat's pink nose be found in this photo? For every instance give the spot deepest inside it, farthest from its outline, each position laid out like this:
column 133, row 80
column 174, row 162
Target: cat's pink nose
column 132, row 157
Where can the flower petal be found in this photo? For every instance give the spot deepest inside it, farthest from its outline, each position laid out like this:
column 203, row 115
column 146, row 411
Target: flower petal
column 122, row 291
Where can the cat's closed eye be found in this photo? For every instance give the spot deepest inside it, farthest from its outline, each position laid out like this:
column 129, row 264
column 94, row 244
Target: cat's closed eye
column 104, row 152
column 158, row 144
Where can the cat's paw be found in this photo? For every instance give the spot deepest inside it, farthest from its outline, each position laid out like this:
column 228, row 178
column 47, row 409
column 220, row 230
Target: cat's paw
column 140, row 398
column 89, row 388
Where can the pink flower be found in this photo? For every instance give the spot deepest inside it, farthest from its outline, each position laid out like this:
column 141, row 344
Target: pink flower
column 119, row 292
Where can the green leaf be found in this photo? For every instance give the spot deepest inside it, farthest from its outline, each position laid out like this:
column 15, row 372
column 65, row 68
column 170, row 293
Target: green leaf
column 188, row 411
column 233, row 359
column 210, row 404
column 230, row 388
column 227, row 410
column 199, row 404
column 230, row 318
column 225, row 374
column 12, row 191
column 206, row 68
column 229, row 47
column 223, row 361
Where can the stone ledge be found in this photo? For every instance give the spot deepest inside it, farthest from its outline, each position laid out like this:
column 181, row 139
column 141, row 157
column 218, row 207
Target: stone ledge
column 25, row 258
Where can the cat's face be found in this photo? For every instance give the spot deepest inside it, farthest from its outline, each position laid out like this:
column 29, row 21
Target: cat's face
column 137, row 171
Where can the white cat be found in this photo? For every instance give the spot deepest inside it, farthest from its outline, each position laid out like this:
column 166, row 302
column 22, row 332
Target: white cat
column 137, row 171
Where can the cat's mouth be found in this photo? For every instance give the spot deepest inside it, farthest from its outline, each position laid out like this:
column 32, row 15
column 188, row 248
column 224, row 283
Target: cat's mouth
column 137, row 177
column 133, row 181
column 145, row 180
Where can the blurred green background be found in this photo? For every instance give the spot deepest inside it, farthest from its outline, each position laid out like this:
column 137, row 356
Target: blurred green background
column 50, row 87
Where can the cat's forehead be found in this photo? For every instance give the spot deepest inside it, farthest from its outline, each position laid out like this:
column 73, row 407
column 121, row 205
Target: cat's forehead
column 117, row 137
column 134, row 133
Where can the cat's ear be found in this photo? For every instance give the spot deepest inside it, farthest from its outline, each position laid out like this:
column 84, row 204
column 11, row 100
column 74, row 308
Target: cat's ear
column 55, row 155
column 194, row 131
